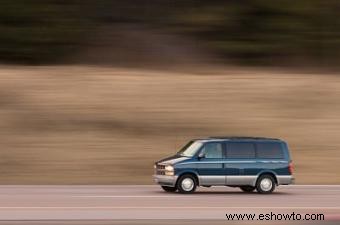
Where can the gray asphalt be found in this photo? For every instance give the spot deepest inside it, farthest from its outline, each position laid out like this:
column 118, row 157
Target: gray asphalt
column 148, row 202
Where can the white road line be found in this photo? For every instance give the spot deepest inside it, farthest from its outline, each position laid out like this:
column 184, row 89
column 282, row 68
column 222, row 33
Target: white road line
column 131, row 196
column 159, row 196
column 136, row 186
column 313, row 185
column 164, row 207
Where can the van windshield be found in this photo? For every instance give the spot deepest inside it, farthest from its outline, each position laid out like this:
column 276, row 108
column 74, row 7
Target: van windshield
column 190, row 149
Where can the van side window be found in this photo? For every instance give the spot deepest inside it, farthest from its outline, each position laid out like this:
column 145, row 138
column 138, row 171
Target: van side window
column 213, row 150
column 240, row 150
column 269, row 150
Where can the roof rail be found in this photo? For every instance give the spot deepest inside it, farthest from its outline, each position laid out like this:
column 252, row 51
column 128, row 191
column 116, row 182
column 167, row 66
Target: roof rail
column 241, row 137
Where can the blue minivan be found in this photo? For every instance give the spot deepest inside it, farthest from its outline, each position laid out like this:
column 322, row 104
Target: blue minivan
column 246, row 162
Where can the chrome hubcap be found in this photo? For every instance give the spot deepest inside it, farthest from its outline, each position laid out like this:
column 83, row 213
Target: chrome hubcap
column 187, row 184
column 266, row 184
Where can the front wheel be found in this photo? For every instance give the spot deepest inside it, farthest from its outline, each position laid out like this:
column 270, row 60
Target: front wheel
column 265, row 184
column 247, row 188
column 186, row 184
column 169, row 189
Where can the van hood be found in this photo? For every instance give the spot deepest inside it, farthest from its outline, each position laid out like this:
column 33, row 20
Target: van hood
column 172, row 159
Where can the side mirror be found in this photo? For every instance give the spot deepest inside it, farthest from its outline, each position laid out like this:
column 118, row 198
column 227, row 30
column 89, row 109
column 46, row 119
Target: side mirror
column 201, row 155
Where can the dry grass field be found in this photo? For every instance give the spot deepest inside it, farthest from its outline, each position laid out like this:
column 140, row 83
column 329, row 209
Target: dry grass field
column 90, row 125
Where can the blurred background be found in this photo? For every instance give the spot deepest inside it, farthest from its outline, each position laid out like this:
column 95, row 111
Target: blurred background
column 93, row 92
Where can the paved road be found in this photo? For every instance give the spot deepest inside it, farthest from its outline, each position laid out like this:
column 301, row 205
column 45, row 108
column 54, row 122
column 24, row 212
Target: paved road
column 151, row 203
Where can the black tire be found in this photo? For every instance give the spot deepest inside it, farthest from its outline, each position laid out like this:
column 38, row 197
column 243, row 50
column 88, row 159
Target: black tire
column 169, row 189
column 261, row 188
column 247, row 188
column 190, row 188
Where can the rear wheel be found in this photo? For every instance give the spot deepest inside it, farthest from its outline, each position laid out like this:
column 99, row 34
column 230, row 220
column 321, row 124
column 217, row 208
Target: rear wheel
column 265, row 184
column 186, row 184
column 247, row 188
column 169, row 189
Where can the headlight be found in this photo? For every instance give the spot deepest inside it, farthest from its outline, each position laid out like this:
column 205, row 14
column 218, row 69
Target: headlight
column 169, row 170
column 154, row 166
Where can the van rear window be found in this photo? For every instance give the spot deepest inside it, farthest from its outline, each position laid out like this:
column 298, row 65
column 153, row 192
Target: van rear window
column 242, row 150
column 269, row 150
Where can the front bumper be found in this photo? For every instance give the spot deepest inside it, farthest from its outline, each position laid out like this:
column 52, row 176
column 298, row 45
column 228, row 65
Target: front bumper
column 165, row 180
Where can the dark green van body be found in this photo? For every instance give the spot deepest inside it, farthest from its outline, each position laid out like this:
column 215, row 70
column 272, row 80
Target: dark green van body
column 228, row 161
